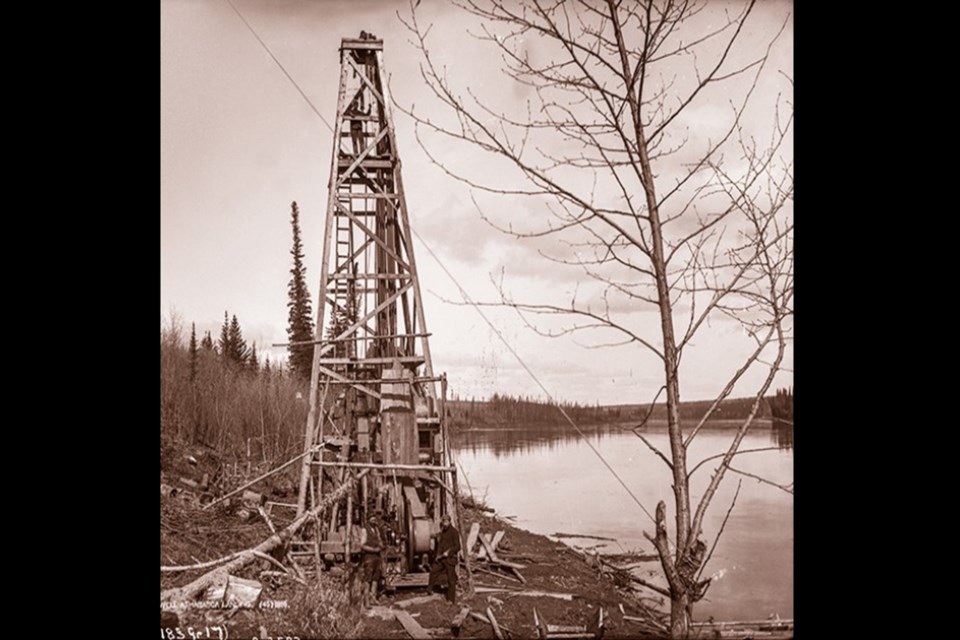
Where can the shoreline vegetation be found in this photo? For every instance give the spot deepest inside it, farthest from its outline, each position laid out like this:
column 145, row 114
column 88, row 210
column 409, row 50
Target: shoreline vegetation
column 504, row 412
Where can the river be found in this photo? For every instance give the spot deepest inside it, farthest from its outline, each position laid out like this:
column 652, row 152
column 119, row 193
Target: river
column 551, row 480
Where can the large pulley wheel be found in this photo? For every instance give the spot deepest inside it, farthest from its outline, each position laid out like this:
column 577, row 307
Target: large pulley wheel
column 418, row 537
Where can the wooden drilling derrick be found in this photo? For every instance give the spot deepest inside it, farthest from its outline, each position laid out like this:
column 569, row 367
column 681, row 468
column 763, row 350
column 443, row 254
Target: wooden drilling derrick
column 374, row 407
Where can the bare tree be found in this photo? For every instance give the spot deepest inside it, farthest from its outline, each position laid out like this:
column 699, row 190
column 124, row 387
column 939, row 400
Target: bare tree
column 654, row 212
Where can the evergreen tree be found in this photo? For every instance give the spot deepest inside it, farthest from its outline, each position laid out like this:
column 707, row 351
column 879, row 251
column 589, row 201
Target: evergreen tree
column 193, row 352
column 207, row 342
column 300, row 321
column 252, row 361
column 237, row 347
column 224, row 342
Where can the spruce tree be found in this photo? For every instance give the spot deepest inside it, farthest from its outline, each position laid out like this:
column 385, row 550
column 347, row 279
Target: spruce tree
column 237, row 347
column 224, row 342
column 300, row 321
column 193, row 352
column 207, row 342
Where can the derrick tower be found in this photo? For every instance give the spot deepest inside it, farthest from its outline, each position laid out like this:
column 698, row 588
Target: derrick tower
column 374, row 438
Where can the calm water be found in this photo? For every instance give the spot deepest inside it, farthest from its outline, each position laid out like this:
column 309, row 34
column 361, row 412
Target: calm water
column 552, row 482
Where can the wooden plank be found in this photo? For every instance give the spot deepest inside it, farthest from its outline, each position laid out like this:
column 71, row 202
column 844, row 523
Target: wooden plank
column 497, row 537
column 369, row 163
column 540, row 624
column 494, row 559
column 385, row 467
column 472, row 537
column 411, row 626
column 412, row 580
column 494, row 574
column 487, row 549
column 505, row 563
column 400, row 359
column 409, row 602
column 354, row 43
column 493, row 623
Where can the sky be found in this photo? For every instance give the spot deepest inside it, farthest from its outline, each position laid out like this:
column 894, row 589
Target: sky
column 238, row 144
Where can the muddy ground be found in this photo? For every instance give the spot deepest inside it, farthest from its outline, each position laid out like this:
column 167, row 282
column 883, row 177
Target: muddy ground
column 189, row 535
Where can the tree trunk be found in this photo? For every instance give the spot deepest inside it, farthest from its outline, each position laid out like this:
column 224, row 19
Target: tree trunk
column 680, row 610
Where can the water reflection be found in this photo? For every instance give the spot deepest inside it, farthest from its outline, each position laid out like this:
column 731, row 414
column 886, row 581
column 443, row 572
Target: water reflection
column 526, row 438
column 551, row 480
column 784, row 436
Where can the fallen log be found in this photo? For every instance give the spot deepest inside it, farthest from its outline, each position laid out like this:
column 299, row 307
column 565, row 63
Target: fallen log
column 585, row 536
column 244, row 558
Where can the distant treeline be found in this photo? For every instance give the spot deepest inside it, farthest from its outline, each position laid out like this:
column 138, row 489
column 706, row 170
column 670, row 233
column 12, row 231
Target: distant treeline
column 781, row 407
column 503, row 410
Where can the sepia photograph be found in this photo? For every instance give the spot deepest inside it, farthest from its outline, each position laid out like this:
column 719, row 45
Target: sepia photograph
column 476, row 319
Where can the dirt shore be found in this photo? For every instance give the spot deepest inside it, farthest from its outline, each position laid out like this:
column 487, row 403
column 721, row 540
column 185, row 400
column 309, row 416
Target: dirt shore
column 190, row 535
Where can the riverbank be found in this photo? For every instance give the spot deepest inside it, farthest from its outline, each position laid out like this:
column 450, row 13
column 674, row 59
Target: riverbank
column 560, row 582
column 564, row 587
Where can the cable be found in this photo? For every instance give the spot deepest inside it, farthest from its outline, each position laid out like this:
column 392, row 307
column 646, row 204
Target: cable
column 470, row 301
column 289, row 77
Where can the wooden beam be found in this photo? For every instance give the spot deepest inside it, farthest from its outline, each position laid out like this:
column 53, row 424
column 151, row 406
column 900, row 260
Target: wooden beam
column 388, row 467
column 486, row 550
column 472, row 537
column 356, row 162
column 355, row 43
column 401, row 360
column 359, row 387
column 411, row 626
column 409, row 602
column 366, row 80
column 373, row 236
